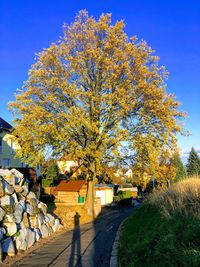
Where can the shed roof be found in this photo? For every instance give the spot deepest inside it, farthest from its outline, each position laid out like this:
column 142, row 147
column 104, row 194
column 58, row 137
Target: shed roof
column 70, row 186
column 103, row 187
column 5, row 125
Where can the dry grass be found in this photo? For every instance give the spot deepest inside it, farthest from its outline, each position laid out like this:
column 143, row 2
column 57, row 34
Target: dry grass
column 181, row 198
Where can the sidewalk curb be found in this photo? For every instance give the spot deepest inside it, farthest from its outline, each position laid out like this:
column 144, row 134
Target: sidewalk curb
column 114, row 262
column 115, row 248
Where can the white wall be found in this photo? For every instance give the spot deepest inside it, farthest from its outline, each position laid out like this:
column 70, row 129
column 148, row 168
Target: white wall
column 106, row 196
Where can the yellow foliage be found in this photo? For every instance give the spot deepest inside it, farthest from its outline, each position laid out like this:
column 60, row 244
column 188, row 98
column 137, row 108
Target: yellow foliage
column 92, row 91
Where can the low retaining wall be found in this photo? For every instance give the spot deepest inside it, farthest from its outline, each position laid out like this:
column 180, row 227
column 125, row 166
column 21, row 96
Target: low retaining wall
column 69, row 213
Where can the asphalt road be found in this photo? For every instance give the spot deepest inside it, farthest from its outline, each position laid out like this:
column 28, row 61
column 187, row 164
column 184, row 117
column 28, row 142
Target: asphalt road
column 88, row 245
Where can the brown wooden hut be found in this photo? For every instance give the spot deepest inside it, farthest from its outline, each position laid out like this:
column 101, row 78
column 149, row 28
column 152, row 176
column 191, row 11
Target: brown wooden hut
column 71, row 192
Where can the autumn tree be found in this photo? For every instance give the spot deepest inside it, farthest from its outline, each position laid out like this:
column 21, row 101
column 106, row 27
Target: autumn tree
column 153, row 161
column 109, row 175
column 92, row 93
column 163, row 165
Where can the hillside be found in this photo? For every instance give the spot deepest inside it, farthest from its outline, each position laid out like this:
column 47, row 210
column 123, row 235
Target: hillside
column 165, row 230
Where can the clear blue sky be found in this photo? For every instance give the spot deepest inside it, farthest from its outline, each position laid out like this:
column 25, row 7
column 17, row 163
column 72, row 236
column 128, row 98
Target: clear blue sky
column 171, row 28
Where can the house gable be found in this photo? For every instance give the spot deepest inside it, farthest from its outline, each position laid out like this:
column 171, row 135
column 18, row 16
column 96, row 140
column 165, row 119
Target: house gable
column 7, row 147
column 5, row 125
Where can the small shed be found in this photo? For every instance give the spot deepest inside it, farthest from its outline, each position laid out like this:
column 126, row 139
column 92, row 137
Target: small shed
column 105, row 193
column 71, row 192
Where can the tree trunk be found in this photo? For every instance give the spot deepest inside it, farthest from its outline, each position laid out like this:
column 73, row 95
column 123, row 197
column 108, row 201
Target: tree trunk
column 153, row 182
column 89, row 204
column 169, row 182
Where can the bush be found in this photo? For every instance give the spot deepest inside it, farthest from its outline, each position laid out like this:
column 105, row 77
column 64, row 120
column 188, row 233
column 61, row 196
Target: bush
column 125, row 194
column 52, row 171
column 47, row 183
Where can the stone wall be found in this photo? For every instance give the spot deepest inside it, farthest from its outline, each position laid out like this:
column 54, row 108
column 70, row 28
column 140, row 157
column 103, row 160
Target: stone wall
column 23, row 218
column 67, row 213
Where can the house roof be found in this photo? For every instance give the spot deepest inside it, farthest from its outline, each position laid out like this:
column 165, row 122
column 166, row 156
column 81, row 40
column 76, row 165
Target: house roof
column 129, row 172
column 5, row 125
column 70, row 186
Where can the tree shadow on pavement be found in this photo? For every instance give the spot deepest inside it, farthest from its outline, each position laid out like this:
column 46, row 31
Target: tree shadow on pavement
column 105, row 227
column 75, row 255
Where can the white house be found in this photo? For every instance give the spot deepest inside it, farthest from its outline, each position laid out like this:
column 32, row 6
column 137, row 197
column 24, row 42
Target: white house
column 66, row 165
column 8, row 147
column 129, row 174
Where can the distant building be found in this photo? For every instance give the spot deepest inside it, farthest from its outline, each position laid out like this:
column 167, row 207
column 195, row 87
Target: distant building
column 129, row 174
column 8, row 147
column 124, row 175
column 119, row 173
column 67, row 165
column 8, row 150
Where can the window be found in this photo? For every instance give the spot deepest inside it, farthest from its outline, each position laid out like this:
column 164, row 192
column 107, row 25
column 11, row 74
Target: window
column 1, row 143
column 11, row 148
column 5, row 163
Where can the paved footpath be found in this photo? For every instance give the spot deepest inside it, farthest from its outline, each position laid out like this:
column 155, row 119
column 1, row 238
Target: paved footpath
column 88, row 245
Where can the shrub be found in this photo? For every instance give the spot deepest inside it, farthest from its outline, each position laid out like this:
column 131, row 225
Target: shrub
column 47, row 183
column 125, row 194
column 52, row 171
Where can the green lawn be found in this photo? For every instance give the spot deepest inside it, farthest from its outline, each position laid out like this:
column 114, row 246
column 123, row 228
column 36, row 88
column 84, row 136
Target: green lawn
column 152, row 240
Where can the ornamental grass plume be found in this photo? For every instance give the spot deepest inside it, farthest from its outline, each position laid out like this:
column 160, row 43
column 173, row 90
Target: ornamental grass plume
column 182, row 198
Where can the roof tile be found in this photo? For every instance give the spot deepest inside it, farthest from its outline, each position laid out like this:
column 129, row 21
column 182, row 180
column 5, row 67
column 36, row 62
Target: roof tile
column 70, row 186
